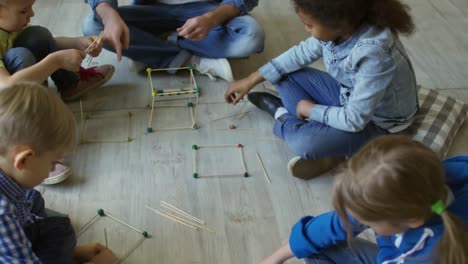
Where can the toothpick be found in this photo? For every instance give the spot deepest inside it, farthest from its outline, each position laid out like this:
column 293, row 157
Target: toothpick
column 169, row 69
column 131, row 249
column 221, row 175
column 105, row 237
column 123, row 223
column 242, row 159
column 264, row 170
column 164, row 204
column 95, row 41
column 229, row 129
column 242, row 113
column 188, row 222
column 217, row 146
column 171, row 217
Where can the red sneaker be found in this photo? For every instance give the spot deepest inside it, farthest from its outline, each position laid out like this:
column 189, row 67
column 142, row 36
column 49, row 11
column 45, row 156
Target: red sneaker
column 89, row 79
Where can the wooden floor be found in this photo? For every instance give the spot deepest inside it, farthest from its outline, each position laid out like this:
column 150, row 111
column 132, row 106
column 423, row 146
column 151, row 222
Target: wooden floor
column 251, row 217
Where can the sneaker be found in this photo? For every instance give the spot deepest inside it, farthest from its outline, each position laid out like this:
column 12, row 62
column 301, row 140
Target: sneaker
column 265, row 101
column 90, row 78
column 60, row 173
column 213, row 68
column 307, row 169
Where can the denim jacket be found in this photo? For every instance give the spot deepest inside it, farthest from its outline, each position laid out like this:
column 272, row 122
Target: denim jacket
column 376, row 77
column 244, row 5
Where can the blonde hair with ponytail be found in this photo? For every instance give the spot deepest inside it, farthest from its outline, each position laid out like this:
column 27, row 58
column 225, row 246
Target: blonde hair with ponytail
column 395, row 179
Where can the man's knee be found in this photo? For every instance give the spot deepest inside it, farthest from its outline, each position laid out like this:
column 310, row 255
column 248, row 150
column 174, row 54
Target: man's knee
column 251, row 34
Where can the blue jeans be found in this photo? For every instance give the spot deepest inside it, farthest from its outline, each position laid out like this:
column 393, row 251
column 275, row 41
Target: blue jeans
column 32, row 46
column 314, row 140
column 53, row 238
column 237, row 38
column 363, row 252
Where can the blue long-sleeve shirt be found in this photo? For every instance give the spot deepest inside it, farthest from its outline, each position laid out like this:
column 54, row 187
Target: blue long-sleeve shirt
column 243, row 5
column 312, row 235
column 376, row 77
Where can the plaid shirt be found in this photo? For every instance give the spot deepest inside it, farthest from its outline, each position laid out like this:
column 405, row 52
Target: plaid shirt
column 15, row 213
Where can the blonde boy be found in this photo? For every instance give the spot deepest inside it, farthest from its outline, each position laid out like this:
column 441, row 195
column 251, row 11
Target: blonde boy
column 37, row 129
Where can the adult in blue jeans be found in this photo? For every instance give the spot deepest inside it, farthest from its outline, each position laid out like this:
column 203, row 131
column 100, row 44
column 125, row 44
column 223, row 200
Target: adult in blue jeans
column 202, row 33
column 369, row 90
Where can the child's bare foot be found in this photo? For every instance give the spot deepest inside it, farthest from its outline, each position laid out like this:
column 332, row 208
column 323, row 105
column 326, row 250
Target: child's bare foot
column 89, row 79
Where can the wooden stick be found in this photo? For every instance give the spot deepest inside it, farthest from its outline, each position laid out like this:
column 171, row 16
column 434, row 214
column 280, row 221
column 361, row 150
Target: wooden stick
column 105, row 140
column 105, row 237
column 101, row 35
column 169, row 69
column 196, row 110
column 168, row 106
column 123, row 223
column 83, row 137
column 129, row 125
column 242, row 116
column 193, row 78
column 217, row 146
column 124, row 256
column 220, row 175
column 176, row 93
column 164, row 204
column 217, row 119
column 195, row 165
column 171, row 128
column 188, row 222
column 150, row 80
column 87, row 225
column 241, row 151
column 263, row 166
column 171, row 217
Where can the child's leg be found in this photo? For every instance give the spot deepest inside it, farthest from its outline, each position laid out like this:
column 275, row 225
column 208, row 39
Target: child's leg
column 364, row 252
column 314, row 140
column 17, row 59
column 310, row 84
column 53, row 238
column 41, row 43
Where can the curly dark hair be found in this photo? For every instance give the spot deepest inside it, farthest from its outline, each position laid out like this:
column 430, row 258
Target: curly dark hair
column 344, row 14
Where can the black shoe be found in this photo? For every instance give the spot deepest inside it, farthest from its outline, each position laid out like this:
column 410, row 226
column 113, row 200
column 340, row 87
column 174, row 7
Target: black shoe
column 265, row 101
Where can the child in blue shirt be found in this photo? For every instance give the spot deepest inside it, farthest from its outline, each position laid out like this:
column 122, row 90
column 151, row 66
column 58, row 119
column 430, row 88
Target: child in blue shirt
column 30, row 143
column 398, row 187
column 369, row 90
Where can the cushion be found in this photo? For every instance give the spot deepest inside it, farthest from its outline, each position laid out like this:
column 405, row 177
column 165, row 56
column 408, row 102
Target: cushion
column 438, row 120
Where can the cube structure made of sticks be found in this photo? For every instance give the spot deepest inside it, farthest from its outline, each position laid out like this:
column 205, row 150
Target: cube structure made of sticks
column 86, row 117
column 198, row 175
column 104, row 214
column 192, row 93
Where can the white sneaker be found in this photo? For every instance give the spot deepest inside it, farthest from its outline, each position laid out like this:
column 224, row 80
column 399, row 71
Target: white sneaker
column 213, row 68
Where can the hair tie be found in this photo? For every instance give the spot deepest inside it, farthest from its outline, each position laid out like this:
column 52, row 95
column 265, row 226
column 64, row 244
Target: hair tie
column 438, row 207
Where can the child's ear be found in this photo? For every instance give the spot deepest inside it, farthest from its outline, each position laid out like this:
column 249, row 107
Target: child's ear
column 21, row 156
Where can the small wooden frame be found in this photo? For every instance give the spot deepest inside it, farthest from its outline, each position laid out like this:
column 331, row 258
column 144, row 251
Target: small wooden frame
column 192, row 94
column 101, row 213
column 197, row 175
column 84, row 125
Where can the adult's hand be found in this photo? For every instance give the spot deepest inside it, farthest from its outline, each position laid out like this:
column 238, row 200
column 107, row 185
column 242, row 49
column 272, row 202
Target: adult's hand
column 116, row 32
column 196, row 28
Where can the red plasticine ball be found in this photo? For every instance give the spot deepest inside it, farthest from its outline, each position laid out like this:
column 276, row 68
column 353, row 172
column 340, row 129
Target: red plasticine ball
column 231, row 126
